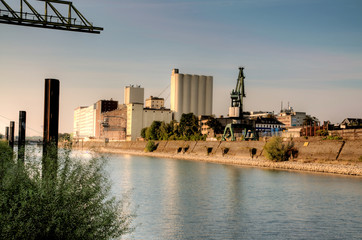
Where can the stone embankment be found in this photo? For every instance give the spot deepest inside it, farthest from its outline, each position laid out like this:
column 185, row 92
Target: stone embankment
column 314, row 155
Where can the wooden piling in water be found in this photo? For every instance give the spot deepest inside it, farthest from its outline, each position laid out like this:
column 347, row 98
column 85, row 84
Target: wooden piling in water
column 11, row 135
column 21, row 135
column 51, row 125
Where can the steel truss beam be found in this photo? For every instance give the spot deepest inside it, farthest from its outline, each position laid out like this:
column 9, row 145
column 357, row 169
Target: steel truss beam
column 76, row 22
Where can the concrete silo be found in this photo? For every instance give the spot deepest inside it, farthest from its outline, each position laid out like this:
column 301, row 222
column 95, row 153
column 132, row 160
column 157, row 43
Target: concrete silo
column 177, row 93
column 186, row 101
column 208, row 95
column 194, row 93
column 201, row 96
column 191, row 94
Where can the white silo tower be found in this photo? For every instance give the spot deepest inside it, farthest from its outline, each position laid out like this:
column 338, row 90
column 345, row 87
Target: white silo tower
column 191, row 94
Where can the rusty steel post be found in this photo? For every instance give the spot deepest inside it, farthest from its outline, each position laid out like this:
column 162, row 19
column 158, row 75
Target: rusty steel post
column 11, row 135
column 21, row 135
column 51, row 124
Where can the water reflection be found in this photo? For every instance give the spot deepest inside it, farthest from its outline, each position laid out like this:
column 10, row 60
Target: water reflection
column 196, row 200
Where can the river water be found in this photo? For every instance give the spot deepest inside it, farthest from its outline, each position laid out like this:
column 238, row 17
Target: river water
column 178, row 199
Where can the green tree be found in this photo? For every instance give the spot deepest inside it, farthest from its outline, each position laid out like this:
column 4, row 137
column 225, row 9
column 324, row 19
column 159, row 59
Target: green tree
column 153, row 131
column 165, row 131
column 215, row 125
column 143, row 132
column 189, row 127
column 75, row 204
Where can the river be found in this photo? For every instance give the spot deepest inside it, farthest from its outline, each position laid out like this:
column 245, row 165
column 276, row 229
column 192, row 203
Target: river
column 178, row 199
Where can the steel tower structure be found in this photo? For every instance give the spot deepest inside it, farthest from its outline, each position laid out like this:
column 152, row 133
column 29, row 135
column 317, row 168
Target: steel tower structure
column 52, row 18
column 244, row 128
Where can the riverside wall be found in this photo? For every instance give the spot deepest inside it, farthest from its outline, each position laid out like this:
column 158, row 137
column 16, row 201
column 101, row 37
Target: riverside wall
column 312, row 149
column 314, row 154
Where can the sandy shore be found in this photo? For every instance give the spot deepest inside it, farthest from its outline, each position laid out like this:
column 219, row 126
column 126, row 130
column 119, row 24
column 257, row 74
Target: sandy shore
column 351, row 168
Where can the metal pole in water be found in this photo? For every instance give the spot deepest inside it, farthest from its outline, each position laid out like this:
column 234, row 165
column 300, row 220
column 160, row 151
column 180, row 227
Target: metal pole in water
column 51, row 124
column 11, row 135
column 21, row 136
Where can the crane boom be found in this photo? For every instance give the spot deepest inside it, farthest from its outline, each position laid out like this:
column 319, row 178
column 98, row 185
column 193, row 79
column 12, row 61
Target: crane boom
column 240, row 128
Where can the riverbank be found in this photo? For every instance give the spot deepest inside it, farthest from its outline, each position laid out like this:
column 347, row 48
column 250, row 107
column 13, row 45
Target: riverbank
column 335, row 157
column 352, row 169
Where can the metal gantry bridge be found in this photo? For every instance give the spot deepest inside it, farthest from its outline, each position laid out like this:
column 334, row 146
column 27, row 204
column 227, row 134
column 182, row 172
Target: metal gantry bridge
column 52, row 18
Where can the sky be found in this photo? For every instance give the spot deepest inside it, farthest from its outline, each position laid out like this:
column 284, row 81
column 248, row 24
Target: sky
column 307, row 53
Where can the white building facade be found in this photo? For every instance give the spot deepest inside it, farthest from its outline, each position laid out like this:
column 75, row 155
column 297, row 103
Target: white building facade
column 84, row 122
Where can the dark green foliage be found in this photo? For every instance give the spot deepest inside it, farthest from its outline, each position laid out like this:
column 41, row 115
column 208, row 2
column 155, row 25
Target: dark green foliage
column 215, row 125
column 187, row 129
column 150, row 146
column 278, row 151
column 165, row 131
column 143, row 132
column 332, row 138
column 322, row 132
column 73, row 204
column 64, row 137
column 189, row 126
column 153, row 132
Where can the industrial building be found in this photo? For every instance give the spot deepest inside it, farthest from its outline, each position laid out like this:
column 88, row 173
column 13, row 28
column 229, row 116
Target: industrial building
column 134, row 94
column 191, row 94
column 290, row 118
column 114, row 124
column 88, row 120
column 84, row 122
column 155, row 102
column 268, row 126
column 138, row 116
column 108, row 120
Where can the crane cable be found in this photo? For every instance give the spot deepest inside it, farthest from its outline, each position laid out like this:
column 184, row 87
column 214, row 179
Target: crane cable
column 26, row 126
column 164, row 90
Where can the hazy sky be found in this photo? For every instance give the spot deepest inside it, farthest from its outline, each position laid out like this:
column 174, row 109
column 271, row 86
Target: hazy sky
column 308, row 53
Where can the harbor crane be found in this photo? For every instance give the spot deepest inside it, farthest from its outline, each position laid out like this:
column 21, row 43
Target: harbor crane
column 52, row 18
column 240, row 127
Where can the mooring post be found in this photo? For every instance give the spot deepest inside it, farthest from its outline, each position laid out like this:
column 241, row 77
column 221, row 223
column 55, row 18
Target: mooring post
column 11, row 135
column 51, row 124
column 7, row 133
column 21, row 136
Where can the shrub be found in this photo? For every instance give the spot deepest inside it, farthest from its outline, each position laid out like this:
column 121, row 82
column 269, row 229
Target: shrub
column 333, row 138
column 73, row 204
column 275, row 150
column 150, row 146
column 360, row 159
column 322, row 132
